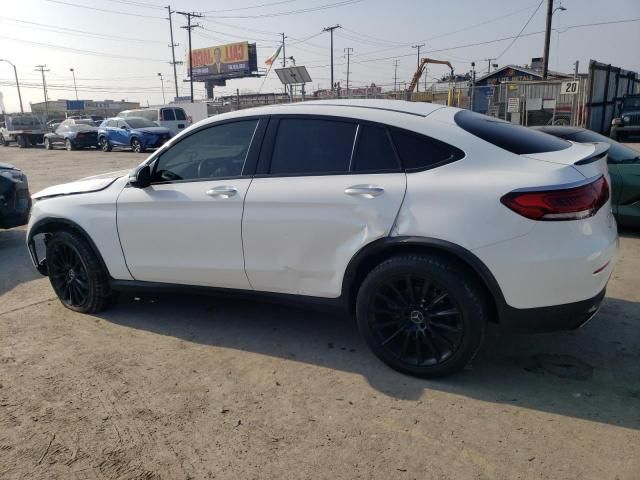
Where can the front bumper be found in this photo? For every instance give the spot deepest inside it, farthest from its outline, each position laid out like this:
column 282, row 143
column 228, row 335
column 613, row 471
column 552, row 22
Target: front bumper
column 548, row 319
column 155, row 141
column 627, row 130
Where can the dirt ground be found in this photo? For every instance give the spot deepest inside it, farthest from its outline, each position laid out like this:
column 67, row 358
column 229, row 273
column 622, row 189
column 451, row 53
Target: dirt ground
column 183, row 387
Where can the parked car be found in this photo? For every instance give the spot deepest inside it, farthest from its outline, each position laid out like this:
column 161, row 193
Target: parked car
column 26, row 129
column 73, row 134
column 624, row 168
column 426, row 221
column 139, row 134
column 15, row 201
column 173, row 118
column 626, row 124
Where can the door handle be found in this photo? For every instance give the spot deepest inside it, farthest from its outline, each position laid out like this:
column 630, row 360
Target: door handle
column 367, row 191
column 222, row 191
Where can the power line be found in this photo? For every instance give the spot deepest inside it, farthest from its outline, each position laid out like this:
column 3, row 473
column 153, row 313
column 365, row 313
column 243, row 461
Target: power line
column 82, row 33
column 104, row 10
column 81, row 52
column 251, row 6
column 521, row 30
column 342, row 3
column 138, row 4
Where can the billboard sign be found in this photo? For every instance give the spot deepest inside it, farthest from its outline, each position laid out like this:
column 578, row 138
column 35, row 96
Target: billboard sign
column 232, row 60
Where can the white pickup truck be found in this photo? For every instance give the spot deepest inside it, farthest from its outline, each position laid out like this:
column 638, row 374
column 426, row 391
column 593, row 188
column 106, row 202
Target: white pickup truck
column 26, row 129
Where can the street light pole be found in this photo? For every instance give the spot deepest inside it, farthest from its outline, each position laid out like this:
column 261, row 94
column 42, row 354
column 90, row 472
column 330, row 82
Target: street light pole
column 162, row 82
column 547, row 36
column 75, row 85
column 15, row 72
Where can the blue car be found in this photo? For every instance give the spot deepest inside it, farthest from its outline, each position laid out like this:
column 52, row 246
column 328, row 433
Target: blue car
column 136, row 133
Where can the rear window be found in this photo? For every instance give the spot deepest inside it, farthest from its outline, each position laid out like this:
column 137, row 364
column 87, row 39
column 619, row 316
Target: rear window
column 167, row 114
column 180, row 115
column 513, row 138
column 418, row 152
column 374, row 152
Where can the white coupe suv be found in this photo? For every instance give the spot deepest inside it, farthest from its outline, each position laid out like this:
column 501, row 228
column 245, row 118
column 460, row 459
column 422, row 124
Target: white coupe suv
column 425, row 221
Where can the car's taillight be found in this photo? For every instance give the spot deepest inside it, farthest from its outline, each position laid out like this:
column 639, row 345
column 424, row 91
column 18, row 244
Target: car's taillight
column 558, row 203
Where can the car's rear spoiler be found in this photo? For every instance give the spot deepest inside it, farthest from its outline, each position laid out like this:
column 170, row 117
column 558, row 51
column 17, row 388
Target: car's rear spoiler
column 601, row 150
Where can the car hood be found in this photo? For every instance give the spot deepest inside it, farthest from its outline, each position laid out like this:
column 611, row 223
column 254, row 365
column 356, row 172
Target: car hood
column 7, row 166
column 84, row 185
column 153, row 130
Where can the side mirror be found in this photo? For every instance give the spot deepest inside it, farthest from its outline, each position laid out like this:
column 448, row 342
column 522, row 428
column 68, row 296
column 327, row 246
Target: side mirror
column 140, row 177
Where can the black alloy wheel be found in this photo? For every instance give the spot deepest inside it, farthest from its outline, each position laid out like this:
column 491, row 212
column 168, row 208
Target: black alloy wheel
column 76, row 273
column 68, row 274
column 416, row 320
column 424, row 315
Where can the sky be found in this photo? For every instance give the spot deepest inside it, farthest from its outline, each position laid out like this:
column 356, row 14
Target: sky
column 118, row 47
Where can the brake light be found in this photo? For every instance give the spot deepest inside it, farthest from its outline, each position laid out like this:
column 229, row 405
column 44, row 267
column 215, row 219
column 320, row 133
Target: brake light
column 560, row 204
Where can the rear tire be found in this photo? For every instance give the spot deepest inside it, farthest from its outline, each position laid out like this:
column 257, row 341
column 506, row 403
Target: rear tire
column 22, row 142
column 76, row 274
column 68, row 145
column 422, row 315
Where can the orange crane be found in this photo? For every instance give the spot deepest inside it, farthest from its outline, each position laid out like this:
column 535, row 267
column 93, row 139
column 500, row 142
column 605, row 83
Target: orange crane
column 420, row 70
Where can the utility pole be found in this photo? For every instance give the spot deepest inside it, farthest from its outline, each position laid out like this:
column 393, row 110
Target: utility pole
column 489, row 67
column 473, row 84
column 418, row 64
column 547, row 40
column 75, row 85
column 395, row 75
column 162, row 83
column 190, row 27
column 575, row 69
column 15, row 72
column 284, row 61
column 330, row 30
column 173, row 51
column 41, row 69
column 348, row 51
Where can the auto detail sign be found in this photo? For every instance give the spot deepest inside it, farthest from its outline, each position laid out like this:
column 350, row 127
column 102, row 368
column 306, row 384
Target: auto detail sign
column 232, row 60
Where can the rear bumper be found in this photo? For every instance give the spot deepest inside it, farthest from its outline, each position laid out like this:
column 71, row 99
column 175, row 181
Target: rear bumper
column 548, row 319
column 15, row 204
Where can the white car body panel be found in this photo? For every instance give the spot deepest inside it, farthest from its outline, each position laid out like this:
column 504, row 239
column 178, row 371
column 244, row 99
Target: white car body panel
column 95, row 213
column 176, row 233
column 299, row 233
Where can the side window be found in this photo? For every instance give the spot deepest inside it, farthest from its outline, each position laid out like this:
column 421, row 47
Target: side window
column 215, row 152
column 110, row 124
column 180, row 115
column 167, row 114
column 312, row 146
column 374, row 152
column 418, row 152
column 120, row 124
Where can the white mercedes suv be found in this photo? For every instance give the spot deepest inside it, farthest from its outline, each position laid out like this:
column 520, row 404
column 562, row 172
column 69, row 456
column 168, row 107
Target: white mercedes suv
column 425, row 221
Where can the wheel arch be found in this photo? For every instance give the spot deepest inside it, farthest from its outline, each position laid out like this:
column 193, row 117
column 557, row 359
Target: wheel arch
column 56, row 224
column 379, row 250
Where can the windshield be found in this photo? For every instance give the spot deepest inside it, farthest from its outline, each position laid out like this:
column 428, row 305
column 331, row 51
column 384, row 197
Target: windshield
column 617, row 151
column 631, row 103
column 140, row 123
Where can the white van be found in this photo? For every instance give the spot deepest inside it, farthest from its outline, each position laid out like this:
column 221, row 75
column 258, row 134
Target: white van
column 173, row 118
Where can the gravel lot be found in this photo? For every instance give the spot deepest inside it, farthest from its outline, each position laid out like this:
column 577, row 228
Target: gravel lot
column 183, row 387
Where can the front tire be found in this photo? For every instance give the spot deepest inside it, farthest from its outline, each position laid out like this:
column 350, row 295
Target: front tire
column 3, row 142
column 105, row 146
column 136, row 146
column 76, row 274
column 423, row 315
